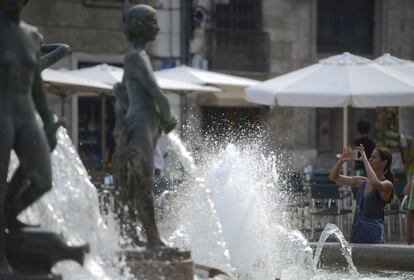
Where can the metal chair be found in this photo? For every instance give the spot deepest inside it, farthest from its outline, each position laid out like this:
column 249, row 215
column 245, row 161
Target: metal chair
column 328, row 200
column 397, row 210
column 297, row 202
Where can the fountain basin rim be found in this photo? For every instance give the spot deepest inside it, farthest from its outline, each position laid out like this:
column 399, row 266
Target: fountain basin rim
column 397, row 257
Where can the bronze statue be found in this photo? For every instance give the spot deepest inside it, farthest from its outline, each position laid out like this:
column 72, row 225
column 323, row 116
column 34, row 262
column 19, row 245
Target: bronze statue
column 51, row 53
column 143, row 113
column 21, row 96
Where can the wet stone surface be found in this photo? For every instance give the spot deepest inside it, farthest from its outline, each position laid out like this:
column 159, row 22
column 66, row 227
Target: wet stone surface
column 163, row 264
column 38, row 277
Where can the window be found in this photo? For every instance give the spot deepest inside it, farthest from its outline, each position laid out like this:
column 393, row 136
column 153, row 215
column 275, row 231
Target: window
column 236, row 40
column 345, row 25
column 108, row 3
column 238, row 14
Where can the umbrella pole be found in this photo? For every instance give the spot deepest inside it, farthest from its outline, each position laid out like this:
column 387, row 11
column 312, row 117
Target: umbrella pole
column 62, row 106
column 75, row 121
column 103, row 129
column 183, row 113
column 345, row 134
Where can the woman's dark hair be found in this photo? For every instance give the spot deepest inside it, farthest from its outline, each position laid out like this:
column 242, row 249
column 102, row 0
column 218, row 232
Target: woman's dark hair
column 386, row 154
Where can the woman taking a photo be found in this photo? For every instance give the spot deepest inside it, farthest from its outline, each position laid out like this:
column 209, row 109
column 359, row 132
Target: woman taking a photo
column 375, row 191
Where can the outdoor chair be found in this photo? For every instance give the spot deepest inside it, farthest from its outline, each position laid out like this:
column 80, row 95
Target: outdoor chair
column 294, row 188
column 329, row 200
column 393, row 211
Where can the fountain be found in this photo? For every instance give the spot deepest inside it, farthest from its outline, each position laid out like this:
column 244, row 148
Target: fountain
column 253, row 235
column 71, row 209
column 346, row 250
column 208, row 230
column 231, row 212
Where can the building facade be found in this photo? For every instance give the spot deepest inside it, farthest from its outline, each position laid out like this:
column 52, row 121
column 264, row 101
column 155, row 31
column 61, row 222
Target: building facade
column 286, row 35
column 258, row 39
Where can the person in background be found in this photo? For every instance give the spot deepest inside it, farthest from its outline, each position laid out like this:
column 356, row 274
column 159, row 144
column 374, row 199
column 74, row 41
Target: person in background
column 407, row 151
column 375, row 191
column 408, row 190
column 363, row 128
column 407, row 148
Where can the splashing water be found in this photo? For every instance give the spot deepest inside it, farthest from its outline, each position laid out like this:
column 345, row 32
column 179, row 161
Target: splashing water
column 239, row 187
column 231, row 212
column 331, row 229
column 251, row 229
column 240, row 193
column 193, row 223
column 185, row 156
column 71, row 209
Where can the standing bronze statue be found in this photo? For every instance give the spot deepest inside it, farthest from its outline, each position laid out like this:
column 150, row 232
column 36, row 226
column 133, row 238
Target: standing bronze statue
column 143, row 113
column 21, row 96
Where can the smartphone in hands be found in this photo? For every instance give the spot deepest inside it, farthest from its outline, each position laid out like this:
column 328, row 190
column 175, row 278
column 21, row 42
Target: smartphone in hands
column 354, row 155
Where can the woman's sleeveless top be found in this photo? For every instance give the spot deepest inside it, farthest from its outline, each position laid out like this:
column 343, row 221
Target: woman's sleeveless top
column 373, row 204
column 368, row 225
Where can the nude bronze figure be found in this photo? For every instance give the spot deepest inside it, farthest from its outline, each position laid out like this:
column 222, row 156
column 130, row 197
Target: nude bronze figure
column 21, row 96
column 145, row 113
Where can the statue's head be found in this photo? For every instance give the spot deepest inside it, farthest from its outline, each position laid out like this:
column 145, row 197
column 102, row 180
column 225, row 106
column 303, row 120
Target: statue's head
column 12, row 5
column 141, row 21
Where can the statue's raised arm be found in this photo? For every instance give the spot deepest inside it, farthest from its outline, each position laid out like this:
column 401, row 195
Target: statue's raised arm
column 51, row 53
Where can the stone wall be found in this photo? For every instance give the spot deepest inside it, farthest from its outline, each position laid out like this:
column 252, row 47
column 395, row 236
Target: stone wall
column 399, row 41
column 86, row 28
column 289, row 24
column 398, row 28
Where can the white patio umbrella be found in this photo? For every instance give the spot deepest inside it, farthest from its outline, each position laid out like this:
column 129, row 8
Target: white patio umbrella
column 64, row 83
column 176, row 85
column 111, row 74
column 393, row 63
column 338, row 81
column 203, row 77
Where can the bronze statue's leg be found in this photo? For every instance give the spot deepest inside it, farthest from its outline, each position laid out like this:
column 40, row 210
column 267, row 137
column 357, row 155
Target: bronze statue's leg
column 6, row 140
column 34, row 154
column 17, row 185
column 130, row 217
column 141, row 172
column 145, row 206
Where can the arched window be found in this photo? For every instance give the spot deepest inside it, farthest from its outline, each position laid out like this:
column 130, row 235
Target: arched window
column 345, row 25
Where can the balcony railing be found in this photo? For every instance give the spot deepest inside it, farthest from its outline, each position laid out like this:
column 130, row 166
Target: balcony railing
column 239, row 50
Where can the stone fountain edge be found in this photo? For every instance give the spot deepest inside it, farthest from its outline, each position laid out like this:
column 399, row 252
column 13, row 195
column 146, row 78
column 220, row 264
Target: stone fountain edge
column 370, row 256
